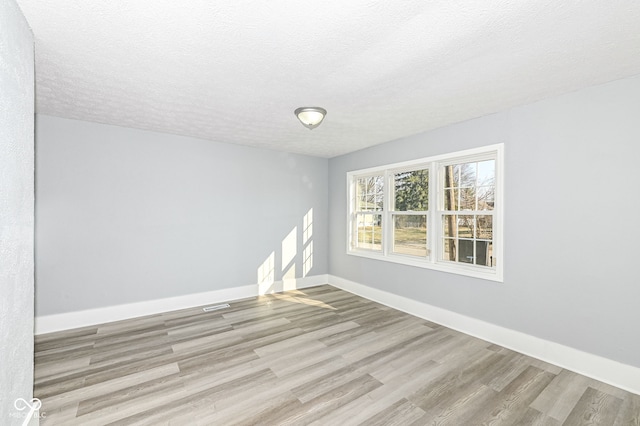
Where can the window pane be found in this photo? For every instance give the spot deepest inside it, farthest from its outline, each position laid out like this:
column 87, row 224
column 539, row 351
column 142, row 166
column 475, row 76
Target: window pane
column 379, row 200
column 484, row 253
column 369, row 231
column 466, row 251
column 467, row 199
column 449, row 250
column 412, row 191
column 486, row 196
column 487, row 173
column 467, row 174
column 451, row 176
column 484, row 227
column 450, row 225
column 410, row 234
column 465, row 226
column 451, row 199
column 369, row 193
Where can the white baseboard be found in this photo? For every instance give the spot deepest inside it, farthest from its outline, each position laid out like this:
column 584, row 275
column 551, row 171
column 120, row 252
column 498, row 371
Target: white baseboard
column 623, row 376
column 69, row 320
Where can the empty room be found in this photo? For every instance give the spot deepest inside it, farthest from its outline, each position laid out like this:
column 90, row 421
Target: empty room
column 333, row 213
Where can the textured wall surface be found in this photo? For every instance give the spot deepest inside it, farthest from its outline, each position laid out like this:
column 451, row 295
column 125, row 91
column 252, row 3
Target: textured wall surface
column 16, row 210
column 127, row 215
column 571, row 241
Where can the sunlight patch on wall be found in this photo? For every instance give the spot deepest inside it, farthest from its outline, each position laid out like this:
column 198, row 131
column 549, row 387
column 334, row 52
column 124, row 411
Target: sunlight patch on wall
column 307, row 262
column 295, row 259
column 289, row 248
column 266, row 274
column 307, row 226
column 289, row 279
column 307, row 233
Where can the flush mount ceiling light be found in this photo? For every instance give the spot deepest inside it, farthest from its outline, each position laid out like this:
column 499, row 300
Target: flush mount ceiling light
column 311, row 117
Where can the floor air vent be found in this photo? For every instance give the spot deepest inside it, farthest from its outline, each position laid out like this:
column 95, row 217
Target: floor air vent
column 216, row 307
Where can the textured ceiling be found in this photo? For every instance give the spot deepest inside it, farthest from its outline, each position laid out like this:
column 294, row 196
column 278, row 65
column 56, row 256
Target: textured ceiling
column 234, row 71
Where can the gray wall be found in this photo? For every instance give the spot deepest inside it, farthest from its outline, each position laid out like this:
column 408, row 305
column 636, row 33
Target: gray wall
column 571, row 229
column 16, row 210
column 126, row 215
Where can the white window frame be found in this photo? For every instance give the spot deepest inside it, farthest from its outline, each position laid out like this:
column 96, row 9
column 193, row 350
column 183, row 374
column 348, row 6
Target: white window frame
column 435, row 165
column 355, row 213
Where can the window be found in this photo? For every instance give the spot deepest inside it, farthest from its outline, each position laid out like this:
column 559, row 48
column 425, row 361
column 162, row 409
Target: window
column 467, row 213
column 409, row 212
column 368, row 212
column 441, row 212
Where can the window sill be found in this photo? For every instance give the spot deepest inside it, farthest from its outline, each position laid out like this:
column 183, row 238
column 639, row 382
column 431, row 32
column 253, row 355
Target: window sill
column 458, row 269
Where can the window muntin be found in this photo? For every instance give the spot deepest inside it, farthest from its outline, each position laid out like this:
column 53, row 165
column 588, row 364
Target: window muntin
column 441, row 213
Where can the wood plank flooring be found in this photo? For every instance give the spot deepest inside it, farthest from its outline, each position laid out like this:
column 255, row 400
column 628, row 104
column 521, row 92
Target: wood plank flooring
column 317, row 356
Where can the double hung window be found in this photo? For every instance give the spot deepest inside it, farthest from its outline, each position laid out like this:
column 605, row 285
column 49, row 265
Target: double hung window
column 409, row 212
column 440, row 212
column 369, row 205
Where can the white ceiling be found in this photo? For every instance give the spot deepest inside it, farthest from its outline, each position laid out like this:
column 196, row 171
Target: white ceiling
column 234, row 70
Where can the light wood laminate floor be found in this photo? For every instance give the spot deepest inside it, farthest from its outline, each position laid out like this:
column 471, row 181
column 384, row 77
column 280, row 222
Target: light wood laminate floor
column 318, row 356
